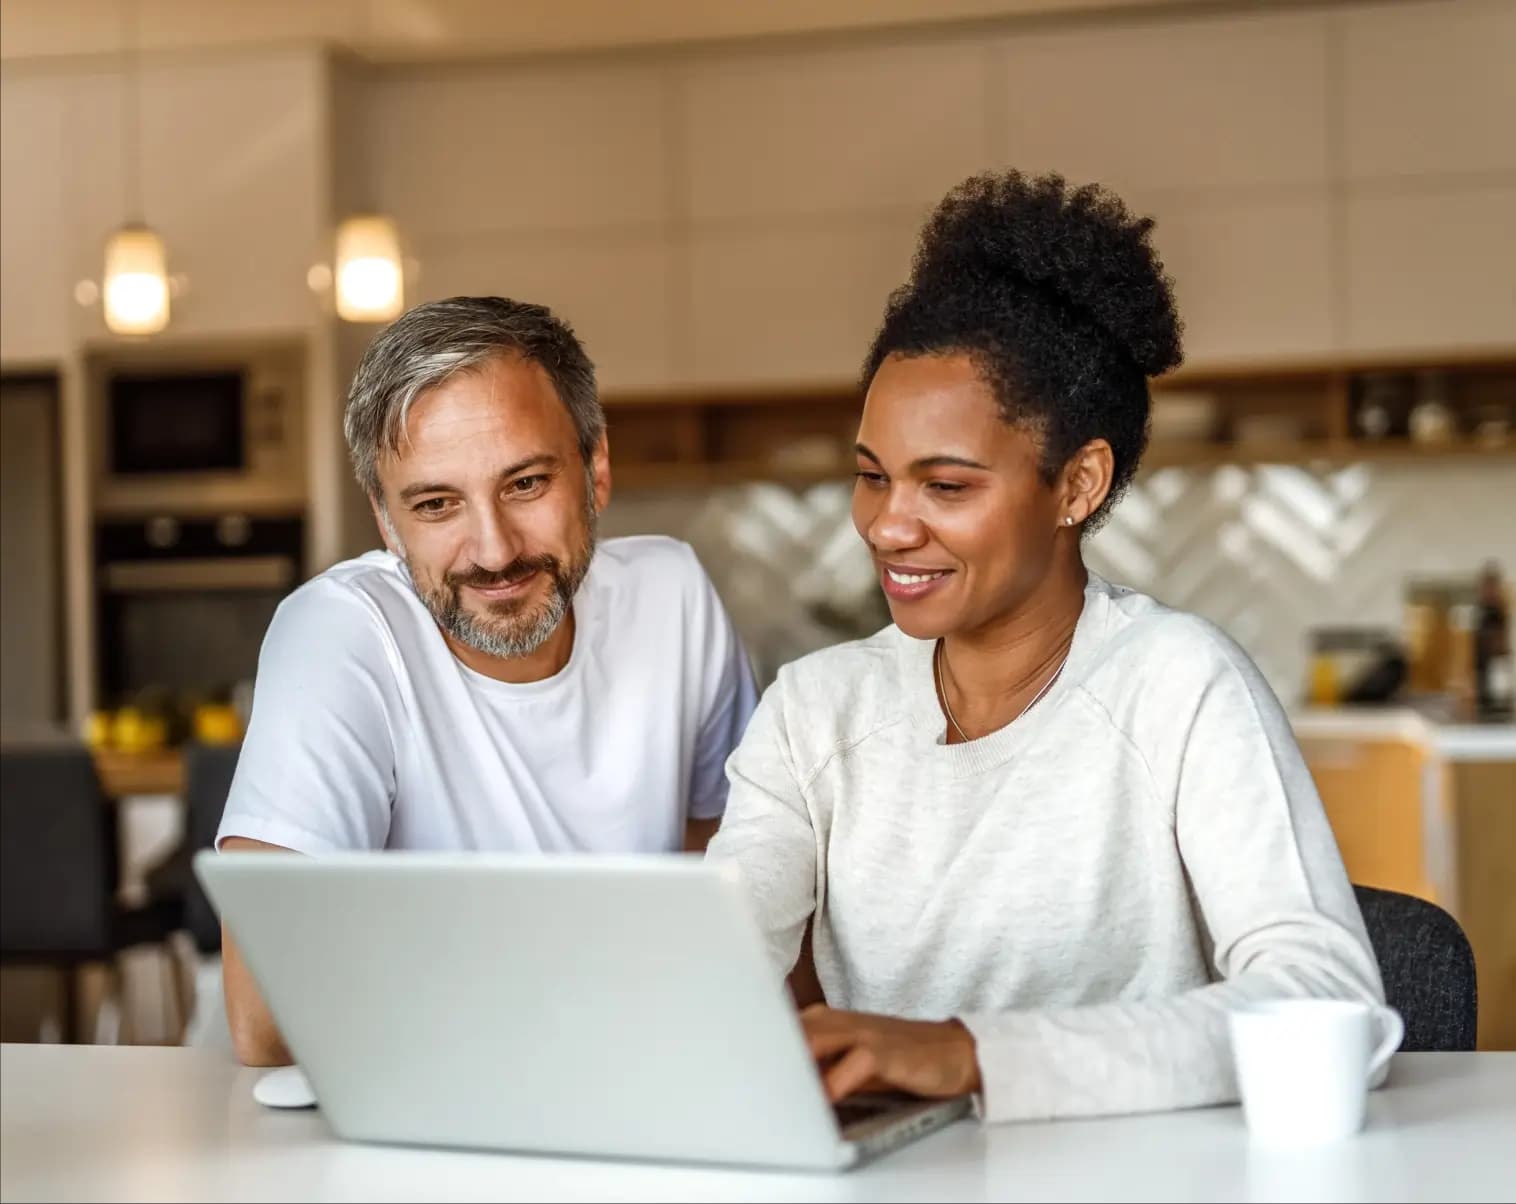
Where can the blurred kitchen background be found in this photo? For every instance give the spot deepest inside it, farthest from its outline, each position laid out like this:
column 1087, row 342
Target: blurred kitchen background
column 206, row 207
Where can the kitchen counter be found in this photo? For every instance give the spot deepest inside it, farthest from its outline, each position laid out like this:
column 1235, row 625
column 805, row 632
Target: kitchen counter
column 1447, row 739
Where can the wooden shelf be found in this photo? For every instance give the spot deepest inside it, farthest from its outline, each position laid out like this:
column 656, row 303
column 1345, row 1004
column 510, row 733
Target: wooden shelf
column 642, row 475
column 780, row 396
column 1464, row 362
column 160, row 771
column 1338, row 451
column 1279, row 413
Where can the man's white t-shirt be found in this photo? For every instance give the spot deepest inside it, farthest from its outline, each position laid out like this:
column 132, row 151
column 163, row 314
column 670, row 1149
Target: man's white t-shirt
column 368, row 733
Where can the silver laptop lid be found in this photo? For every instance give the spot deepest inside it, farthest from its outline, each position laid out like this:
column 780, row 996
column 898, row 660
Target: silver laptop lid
column 619, row 1006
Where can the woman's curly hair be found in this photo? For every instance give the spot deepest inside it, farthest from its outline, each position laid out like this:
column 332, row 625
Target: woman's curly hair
column 1058, row 296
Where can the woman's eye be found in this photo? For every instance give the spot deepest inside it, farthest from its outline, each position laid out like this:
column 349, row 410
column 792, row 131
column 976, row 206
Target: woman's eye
column 946, row 486
column 869, row 478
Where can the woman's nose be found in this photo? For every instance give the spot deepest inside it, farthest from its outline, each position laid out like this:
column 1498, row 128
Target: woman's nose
column 896, row 526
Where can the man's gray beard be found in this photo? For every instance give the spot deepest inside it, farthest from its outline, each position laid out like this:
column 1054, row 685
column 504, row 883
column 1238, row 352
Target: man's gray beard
column 507, row 636
column 495, row 640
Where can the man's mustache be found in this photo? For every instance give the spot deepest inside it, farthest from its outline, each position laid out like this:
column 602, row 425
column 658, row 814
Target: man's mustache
column 518, row 569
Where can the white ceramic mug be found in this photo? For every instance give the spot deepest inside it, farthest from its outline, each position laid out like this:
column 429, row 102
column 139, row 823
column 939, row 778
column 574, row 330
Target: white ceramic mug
column 1304, row 1065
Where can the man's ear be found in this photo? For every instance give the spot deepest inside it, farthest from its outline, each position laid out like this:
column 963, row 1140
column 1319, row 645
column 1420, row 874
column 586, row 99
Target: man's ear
column 600, row 473
column 386, row 527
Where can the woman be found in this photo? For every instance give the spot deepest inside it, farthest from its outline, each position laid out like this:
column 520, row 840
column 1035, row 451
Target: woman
column 1043, row 830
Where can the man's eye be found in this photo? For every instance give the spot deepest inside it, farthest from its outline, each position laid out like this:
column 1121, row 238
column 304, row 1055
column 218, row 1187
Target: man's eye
column 432, row 505
column 528, row 484
column 870, row 478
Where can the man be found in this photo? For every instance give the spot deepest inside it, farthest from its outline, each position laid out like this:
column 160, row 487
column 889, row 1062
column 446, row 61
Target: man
column 493, row 680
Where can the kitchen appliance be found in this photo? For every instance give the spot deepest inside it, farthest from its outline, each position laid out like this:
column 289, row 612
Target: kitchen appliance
column 184, row 602
column 1355, row 665
column 198, row 431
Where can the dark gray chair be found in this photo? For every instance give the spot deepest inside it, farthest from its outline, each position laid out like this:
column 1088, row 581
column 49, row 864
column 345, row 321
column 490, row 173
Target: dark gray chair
column 59, row 870
column 1427, row 967
column 208, row 771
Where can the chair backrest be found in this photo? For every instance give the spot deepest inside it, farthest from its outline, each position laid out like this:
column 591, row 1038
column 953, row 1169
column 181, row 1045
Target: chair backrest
column 1427, row 967
column 208, row 771
column 58, row 856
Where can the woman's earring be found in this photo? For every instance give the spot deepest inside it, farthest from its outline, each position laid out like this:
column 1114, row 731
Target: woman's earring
column 1068, row 520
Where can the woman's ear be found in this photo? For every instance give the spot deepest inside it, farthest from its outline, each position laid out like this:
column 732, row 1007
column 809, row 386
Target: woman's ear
column 1086, row 482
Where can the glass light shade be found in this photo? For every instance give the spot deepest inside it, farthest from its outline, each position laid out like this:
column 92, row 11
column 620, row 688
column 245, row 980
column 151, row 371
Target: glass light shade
column 136, row 282
column 370, row 280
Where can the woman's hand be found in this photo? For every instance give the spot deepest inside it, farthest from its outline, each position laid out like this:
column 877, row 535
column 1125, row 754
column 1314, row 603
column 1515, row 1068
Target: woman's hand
column 857, row 1051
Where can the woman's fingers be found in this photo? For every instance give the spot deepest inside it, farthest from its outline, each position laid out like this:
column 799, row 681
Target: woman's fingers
column 828, row 1032
column 856, row 1051
column 831, row 1042
column 855, row 1071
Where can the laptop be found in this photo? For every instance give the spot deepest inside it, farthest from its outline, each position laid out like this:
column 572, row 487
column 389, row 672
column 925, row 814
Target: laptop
column 617, row 1007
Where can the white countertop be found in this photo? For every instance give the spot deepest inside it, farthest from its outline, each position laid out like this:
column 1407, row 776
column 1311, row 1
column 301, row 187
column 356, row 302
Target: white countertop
column 96, row 1122
column 1451, row 741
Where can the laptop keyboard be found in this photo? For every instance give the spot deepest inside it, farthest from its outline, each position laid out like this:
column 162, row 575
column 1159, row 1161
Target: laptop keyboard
column 858, row 1109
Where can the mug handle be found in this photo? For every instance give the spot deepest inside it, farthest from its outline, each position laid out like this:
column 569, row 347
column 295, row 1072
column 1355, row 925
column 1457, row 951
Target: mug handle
column 1394, row 1033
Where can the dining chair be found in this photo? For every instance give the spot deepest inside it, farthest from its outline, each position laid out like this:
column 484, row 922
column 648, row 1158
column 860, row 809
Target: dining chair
column 208, row 772
column 1427, row 966
column 59, row 872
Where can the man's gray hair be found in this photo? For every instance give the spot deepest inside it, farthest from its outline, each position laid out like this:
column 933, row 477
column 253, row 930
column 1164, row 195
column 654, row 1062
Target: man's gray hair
column 428, row 344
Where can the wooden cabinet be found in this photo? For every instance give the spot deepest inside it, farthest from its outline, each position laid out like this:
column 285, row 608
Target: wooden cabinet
column 1409, row 817
column 1482, row 798
column 1372, row 791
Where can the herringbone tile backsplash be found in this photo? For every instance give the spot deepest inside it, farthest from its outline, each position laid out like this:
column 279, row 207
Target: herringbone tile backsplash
column 1267, row 552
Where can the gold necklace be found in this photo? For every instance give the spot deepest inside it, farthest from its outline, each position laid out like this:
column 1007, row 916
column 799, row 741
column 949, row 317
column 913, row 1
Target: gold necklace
column 947, row 707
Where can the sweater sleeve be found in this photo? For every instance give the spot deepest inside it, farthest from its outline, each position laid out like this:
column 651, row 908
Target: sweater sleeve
column 767, row 832
column 1273, row 902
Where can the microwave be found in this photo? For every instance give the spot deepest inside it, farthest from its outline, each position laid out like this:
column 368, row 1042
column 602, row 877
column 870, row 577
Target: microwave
column 197, row 434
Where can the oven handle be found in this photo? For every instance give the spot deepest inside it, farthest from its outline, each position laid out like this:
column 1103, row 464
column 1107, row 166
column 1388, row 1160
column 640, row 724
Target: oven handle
column 174, row 576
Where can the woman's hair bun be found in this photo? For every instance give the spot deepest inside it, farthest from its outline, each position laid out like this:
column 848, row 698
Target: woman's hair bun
column 1079, row 248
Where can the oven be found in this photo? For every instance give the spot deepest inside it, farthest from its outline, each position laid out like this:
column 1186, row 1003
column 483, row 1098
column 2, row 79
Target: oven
column 184, row 601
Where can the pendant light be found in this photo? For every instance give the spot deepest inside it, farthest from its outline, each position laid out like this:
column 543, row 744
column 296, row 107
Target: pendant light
column 370, row 275
column 136, row 288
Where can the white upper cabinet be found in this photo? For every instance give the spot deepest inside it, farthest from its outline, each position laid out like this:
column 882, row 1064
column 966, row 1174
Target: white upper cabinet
column 1189, row 106
column 1428, row 88
column 867, row 128
column 510, row 147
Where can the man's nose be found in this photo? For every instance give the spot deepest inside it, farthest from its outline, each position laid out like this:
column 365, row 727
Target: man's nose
column 495, row 541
